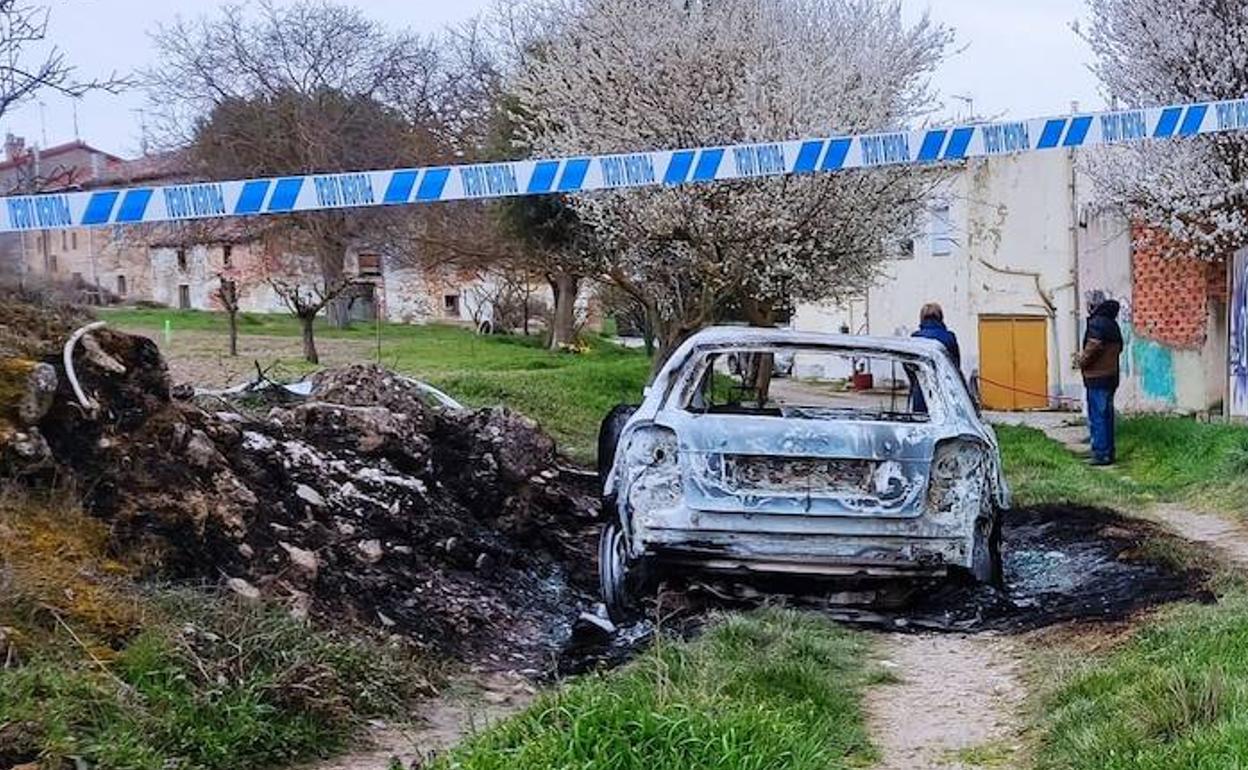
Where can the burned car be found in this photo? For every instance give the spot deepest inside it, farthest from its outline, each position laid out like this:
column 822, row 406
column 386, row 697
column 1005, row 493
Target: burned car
column 869, row 461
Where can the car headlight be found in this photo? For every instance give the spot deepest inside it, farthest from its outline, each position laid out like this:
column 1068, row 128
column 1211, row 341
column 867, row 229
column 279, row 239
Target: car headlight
column 958, row 479
column 653, row 469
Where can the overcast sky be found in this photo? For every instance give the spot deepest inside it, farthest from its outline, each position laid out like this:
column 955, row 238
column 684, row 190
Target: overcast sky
column 1021, row 59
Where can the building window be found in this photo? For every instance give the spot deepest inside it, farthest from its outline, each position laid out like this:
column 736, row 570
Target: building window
column 450, row 304
column 52, row 263
column 905, row 248
column 64, row 241
column 76, row 278
column 182, row 260
column 121, row 286
column 370, row 264
column 941, row 230
column 73, row 240
column 227, row 255
column 184, row 296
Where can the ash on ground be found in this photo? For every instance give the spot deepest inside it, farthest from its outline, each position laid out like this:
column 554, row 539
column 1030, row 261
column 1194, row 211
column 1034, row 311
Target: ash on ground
column 1062, row 564
column 462, row 530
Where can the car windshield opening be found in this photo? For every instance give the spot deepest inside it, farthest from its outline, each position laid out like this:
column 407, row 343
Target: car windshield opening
column 814, row 384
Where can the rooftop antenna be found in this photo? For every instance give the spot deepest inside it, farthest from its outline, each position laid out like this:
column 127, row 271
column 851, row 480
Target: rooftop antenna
column 43, row 123
column 77, row 135
column 969, row 101
column 142, row 131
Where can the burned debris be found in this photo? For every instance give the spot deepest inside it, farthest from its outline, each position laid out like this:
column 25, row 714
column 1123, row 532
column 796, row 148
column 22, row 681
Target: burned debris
column 362, row 500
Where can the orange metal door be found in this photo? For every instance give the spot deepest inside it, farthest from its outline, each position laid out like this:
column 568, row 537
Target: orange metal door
column 1013, row 362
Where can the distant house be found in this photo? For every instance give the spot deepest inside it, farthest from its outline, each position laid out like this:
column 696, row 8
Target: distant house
column 183, row 267
column 1016, row 253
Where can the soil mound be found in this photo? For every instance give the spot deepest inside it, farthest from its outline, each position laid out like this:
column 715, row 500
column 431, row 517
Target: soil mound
column 461, row 529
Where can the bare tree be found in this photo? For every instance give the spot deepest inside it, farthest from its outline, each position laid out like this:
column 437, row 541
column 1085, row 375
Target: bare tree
column 309, row 87
column 28, row 65
column 227, row 295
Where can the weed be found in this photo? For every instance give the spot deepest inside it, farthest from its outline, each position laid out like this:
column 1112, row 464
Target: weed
column 767, row 690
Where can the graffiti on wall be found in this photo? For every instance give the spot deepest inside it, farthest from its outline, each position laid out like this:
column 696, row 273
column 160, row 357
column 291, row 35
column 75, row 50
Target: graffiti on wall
column 1238, row 359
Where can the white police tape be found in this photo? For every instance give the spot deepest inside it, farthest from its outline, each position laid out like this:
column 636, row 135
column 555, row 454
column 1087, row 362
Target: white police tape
column 283, row 195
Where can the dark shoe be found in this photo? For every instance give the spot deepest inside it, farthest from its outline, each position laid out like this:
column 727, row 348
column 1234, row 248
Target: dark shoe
column 1100, row 462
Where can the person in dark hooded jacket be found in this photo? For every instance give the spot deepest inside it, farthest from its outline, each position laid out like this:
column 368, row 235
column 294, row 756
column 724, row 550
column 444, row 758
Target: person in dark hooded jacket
column 932, row 327
column 1098, row 361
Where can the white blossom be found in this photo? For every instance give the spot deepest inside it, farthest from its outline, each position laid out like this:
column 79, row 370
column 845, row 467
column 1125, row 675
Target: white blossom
column 1157, row 52
column 605, row 76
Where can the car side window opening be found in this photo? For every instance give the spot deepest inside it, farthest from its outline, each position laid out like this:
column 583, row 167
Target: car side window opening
column 813, row 384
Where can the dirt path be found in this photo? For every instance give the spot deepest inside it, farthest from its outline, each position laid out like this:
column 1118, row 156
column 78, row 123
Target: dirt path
column 463, row 708
column 1227, row 538
column 957, row 704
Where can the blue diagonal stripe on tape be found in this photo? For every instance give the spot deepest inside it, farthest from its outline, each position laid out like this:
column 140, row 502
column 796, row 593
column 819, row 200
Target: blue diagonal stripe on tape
column 1052, row 134
column 400, row 188
column 1192, row 119
column 959, row 142
column 573, row 176
column 838, row 149
column 808, row 157
column 708, row 164
column 134, row 205
column 100, row 207
column 932, row 142
column 251, row 199
column 432, row 184
column 1168, row 121
column 285, row 193
column 543, row 178
column 1078, row 131
column 678, row 167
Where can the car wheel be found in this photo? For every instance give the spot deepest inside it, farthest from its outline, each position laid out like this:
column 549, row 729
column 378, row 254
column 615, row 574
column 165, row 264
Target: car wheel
column 618, row 575
column 609, row 437
column 988, row 566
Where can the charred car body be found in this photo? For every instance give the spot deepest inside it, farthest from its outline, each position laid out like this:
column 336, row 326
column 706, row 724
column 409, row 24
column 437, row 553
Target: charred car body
column 720, row 469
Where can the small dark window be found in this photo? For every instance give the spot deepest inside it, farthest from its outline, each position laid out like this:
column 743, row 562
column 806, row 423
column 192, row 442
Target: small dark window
column 227, row 255
column 64, row 240
column 121, row 286
column 184, row 297
column 450, row 303
column 370, row 264
column 182, row 259
column 73, row 240
column 52, row 263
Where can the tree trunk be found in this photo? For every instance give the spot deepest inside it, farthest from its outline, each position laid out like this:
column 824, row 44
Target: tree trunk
column 761, row 313
column 563, row 327
column 232, row 316
column 309, row 341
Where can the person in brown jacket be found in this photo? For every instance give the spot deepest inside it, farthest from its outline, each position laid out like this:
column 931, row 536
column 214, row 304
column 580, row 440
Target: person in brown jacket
column 1098, row 361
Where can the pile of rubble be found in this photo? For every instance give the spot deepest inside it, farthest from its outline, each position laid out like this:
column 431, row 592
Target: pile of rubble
column 458, row 528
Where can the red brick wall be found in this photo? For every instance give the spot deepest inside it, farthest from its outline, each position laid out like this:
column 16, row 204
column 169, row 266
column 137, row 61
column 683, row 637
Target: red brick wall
column 1169, row 290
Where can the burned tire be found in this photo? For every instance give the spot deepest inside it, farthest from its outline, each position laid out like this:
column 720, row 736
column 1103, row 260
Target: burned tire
column 609, row 437
column 987, row 565
column 620, row 579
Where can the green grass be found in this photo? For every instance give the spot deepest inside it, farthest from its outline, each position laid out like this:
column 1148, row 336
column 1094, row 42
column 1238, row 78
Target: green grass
column 1173, row 698
column 215, row 684
column 1180, row 459
column 568, row 393
column 772, row 689
column 1040, row 470
column 1159, row 459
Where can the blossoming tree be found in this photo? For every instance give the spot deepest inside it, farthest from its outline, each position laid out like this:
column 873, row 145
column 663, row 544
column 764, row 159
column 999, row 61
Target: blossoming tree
column 1151, row 52
column 602, row 76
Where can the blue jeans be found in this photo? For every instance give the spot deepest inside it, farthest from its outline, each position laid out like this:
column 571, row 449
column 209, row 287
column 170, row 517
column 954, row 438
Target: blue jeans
column 1101, row 422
